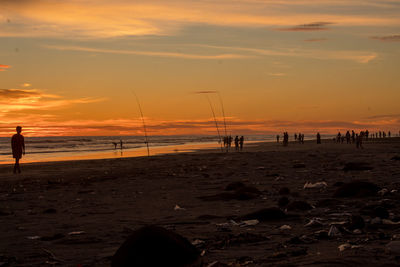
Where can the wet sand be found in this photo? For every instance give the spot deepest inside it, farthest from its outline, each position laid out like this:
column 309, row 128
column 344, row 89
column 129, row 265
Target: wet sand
column 80, row 212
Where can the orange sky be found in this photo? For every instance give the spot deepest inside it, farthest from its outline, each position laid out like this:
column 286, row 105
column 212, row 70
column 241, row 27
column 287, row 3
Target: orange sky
column 70, row 67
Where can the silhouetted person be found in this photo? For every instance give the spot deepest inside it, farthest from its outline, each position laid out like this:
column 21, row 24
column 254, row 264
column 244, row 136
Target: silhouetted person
column 366, row 135
column 241, row 141
column 389, row 134
column 236, row 143
column 120, row 142
column 353, row 136
column 115, row 145
column 348, row 137
column 318, row 138
column 277, row 138
column 18, row 148
column 295, row 137
column 230, row 141
column 380, row 134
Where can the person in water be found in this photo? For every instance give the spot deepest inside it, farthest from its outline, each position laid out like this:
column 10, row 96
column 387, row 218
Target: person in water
column 18, row 148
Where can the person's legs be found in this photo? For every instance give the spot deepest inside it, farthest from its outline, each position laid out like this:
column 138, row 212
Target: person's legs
column 16, row 166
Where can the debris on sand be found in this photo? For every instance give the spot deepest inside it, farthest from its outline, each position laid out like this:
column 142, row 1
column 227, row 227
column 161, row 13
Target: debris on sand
column 357, row 166
column 177, row 207
column 357, row 189
column 314, row 222
column 285, row 227
column 267, row 214
column 155, row 246
column 309, row 185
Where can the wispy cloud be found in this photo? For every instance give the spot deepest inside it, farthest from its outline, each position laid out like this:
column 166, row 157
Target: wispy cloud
column 4, row 67
column 277, row 74
column 387, row 38
column 33, row 99
column 356, row 55
column 147, row 53
column 103, row 19
column 315, row 40
column 315, row 26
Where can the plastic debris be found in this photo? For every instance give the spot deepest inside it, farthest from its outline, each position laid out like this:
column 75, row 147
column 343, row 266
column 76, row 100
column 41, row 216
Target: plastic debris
column 309, row 185
column 285, row 227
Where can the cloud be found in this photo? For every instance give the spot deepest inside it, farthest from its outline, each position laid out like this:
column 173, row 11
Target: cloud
column 387, row 38
column 315, row 26
column 316, row 40
column 277, row 74
column 4, row 67
column 146, row 53
column 351, row 55
column 26, row 85
column 384, row 116
column 32, row 99
column 105, row 19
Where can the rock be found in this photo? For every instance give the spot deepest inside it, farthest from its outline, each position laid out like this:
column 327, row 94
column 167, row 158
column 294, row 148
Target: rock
column 343, row 247
column 299, row 205
column 234, row 186
column 357, row 189
column 393, row 247
column 309, row 185
column 376, row 220
column 357, row 166
column 267, row 214
column 285, row 227
column 284, row 191
column 396, row 158
column 155, row 246
column 356, row 222
column 299, row 165
column 283, row 201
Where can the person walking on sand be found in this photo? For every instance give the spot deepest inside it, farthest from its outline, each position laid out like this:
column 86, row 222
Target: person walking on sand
column 18, row 148
column 277, row 138
column 237, row 143
column 241, row 141
column 318, row 138
column 120, row 142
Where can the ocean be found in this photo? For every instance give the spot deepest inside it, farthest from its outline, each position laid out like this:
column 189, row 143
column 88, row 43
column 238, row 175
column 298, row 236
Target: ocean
column 42, row 149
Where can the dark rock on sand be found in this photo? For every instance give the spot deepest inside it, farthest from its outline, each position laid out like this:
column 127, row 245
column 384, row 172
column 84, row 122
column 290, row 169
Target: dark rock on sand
column 396, row 158
column 299, row 165
column 240, row 193
column 356, row 222
column 357, row 189
column 155, row 246
column 284, row 191
column 357, row 166
column 299, row 205
column 375, row 211
column 234, row 186
column 50, row 211
column 283, row 201
column 267, row 214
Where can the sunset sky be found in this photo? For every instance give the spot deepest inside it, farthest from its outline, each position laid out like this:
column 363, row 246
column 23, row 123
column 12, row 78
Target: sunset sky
column 70, row 67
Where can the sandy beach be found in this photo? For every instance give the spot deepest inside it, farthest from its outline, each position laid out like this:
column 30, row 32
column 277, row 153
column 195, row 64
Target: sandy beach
column 78, row 213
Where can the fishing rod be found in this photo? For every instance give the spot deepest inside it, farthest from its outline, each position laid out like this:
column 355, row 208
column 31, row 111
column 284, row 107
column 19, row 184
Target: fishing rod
column 144, row 124
column 216, row 123
column 223, row 111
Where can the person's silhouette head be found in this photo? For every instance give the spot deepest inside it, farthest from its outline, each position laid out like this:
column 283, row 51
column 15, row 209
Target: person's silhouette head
column 19, row 129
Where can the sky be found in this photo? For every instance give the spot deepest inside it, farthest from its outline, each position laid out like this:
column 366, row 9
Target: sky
column 73, row 67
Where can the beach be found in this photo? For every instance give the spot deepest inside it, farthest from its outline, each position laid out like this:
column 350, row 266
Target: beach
column 72, row 213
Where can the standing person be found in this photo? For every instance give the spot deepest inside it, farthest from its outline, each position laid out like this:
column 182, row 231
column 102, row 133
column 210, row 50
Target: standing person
column 318, row 138
column 120, row 142
column 236, row 143
column 241, row 140
column 277, row 138
column 18, row 148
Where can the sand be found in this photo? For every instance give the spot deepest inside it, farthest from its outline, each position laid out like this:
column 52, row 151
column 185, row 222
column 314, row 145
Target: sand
column 80, row 212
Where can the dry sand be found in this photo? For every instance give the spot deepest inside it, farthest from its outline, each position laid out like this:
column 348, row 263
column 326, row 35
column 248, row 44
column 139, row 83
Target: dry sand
column 80, row 212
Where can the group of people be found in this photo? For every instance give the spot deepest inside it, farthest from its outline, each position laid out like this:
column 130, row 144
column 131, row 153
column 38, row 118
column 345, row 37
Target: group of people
column 238, row 142
column 297, row 138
